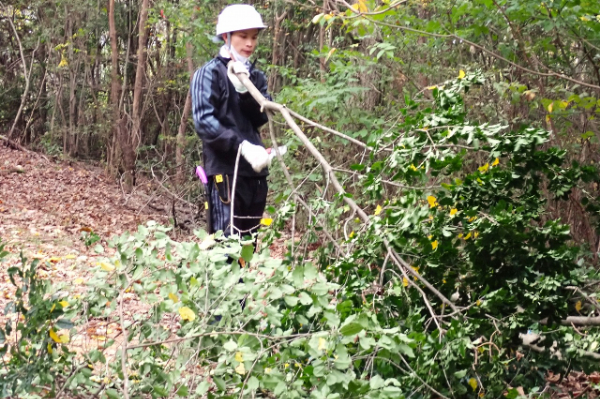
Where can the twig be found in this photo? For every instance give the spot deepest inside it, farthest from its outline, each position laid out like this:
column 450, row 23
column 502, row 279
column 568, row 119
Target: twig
column 326, row 129
column 124, row 347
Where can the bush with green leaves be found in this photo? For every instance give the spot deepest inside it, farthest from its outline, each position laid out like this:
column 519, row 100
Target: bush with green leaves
column 36, row 355
column 434, row 296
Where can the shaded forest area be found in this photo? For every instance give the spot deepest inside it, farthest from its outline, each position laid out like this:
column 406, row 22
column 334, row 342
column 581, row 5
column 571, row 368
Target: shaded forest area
column 437, row 210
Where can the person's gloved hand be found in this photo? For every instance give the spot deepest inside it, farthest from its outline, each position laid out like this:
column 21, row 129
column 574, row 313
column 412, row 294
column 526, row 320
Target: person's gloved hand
column 256, row 155
column 272, row 153
column 237, row 67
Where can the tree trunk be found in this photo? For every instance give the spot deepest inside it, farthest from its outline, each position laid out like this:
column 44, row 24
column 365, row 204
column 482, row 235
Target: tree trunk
column 278, row 55
column 322, row 42
column 134, row 139
column 115, row 88
column 180, row 177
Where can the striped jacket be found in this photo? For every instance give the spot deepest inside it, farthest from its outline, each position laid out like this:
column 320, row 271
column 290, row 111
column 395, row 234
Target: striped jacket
column 223, row 118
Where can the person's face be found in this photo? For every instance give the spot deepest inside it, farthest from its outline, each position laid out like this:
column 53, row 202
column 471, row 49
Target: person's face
column 244, row 41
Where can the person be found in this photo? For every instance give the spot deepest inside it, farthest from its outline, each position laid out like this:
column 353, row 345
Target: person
column 227, row 119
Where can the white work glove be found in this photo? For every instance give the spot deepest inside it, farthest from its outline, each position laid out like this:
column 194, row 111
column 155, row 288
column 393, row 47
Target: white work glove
column 272, row 153
column 256, row 155
column 237, row 67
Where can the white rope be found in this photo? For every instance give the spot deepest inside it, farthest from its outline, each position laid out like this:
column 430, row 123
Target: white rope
column 235, row 172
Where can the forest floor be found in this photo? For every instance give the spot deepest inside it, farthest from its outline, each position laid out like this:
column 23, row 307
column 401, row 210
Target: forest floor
column 46, row 206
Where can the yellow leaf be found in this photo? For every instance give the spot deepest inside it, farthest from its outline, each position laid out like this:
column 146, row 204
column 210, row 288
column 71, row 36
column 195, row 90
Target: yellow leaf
column 378, row 210
column 64, row 338
column 475, row 234
column 351, row 235
column 472, row 218
column 49, row 348
column 54, row 336
column 478, row 302
column 468, row 236
column 413, row 167
column 266, row 221
column 63, row 62
column 473, row 383
column 496, row 162
column 322, row 344
column 64, row 304
column 461, row 74
column 78, row 281
column 361, row 6
column 267, row 370
column 432, row 201
column 405, row 281
column 333, row 50
column 187, row 313
column 53, row 307
column 106, row 267
column 70, row 256
column 240, row 369
column 578, row 306
column 286, row 365
column 239, row 357
column 484, row 168
column 584, row 19
column 328, row 16
column 434, row 245
column 416, row 269
column 550, row 107
column 453, row 211
column 432, row 87
column 173, row 297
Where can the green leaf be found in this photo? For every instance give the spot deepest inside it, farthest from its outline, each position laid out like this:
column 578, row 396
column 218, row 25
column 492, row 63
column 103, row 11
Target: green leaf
column 160, row 391
column 376, row 382
column 202, row 388
column 460, row 374
column 305, row 299
column 230, row 346
column 183, row 391
column 253, row 383
column 351, row 329
column 248, row 252
column 113, row 394
column 64, row 324
column 407, row 350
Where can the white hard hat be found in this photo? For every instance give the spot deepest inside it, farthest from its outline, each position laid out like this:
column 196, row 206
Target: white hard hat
column 239, row 17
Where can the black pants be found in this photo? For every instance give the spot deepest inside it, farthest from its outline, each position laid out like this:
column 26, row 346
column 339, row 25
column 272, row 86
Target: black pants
column 249, row 204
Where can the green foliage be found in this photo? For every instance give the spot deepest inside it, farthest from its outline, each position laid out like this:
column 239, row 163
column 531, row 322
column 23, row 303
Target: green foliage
column 36, row 351
column 471, row 224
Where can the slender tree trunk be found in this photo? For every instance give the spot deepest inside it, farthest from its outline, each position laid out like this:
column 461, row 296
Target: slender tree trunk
column 134, row 139
column 278, row 55
column 115, row 88
column 322, row 42
column 179, row 159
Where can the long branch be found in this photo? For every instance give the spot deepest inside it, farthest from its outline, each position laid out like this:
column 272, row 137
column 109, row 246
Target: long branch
column 329, row 171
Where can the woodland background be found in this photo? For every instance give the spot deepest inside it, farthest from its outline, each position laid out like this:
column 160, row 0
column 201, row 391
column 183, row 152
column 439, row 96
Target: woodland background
column 459, row 135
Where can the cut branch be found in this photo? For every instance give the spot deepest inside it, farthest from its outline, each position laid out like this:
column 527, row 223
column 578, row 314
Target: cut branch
column 330, row 173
